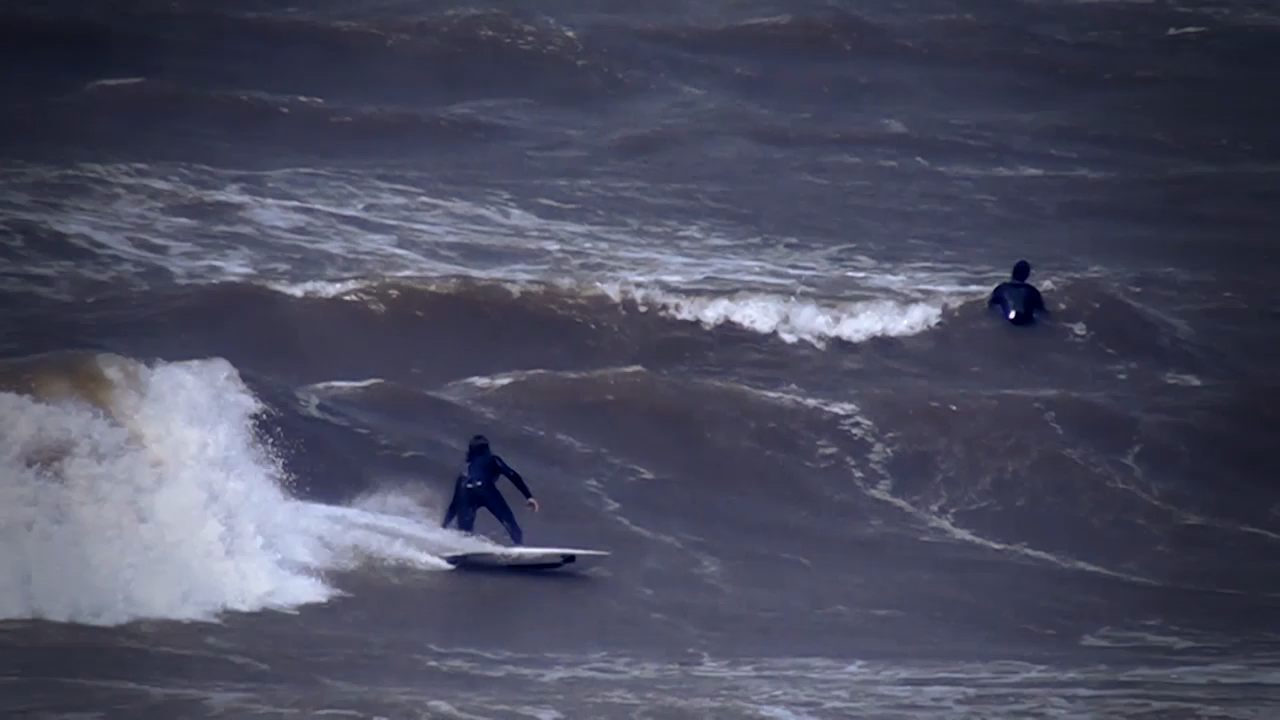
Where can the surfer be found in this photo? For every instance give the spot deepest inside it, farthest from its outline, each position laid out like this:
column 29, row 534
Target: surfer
column 1018, row 299
column 477, row 487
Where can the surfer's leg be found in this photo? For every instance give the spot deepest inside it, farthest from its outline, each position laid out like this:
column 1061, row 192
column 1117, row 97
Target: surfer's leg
column 466, row 515
column 501, row 510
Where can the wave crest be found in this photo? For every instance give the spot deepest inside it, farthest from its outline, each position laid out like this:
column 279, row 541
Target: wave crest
column 816, row 321
column 789, row 318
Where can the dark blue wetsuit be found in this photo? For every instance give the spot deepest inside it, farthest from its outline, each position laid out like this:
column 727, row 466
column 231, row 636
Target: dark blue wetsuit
column 1018, row 300
column 477, row 487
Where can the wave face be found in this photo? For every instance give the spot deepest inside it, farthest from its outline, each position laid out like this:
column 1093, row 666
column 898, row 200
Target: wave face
column 712, row 277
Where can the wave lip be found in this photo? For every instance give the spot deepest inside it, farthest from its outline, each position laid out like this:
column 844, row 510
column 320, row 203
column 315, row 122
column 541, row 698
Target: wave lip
column 791, row 319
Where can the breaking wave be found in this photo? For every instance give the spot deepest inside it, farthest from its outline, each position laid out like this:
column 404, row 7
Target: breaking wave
column 136, row 491
column 791, row 319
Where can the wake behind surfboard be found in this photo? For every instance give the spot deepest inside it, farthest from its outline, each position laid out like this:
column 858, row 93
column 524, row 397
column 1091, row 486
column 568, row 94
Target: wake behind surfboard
column 527, row 558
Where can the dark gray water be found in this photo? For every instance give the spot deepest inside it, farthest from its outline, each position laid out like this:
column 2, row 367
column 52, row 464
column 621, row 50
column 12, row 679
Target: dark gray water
column 711, row 276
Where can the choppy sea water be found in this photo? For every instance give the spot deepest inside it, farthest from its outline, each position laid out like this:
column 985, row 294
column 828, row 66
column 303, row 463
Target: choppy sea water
column 711, row 276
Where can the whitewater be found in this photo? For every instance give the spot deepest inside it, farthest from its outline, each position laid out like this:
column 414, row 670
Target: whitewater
column 163, row 503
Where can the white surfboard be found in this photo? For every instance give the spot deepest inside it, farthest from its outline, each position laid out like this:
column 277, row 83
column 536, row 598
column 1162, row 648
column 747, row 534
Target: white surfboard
column 527, row 558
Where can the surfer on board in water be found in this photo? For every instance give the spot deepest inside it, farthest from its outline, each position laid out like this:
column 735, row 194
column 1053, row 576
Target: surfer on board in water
column 477, row 487
column 1018, row 299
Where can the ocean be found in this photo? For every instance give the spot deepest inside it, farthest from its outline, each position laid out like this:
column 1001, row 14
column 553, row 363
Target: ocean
column 712, row 276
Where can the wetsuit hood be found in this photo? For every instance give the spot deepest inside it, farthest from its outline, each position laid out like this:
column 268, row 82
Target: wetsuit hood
column 1021, row 271
column 478, row 446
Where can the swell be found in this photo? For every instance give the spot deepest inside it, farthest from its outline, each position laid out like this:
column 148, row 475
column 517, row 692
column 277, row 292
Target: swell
column 1062, row 42
column 826, row 36
column 1099, row 338
column 460, row 54
column 441, row 328
column 161, row 119
column 202, row 67
column 452, row 56
column 502, row 51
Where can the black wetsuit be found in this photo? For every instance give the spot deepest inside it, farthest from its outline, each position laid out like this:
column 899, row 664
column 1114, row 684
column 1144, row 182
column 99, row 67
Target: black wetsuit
column 1018, row 301
column 477, row 488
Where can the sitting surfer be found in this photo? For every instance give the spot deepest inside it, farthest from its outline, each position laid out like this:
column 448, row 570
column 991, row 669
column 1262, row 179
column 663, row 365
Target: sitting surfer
column 1018, row 300
column 477, row 487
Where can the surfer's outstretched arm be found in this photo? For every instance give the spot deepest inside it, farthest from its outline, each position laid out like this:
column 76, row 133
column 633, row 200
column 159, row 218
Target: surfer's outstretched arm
column 516, row 480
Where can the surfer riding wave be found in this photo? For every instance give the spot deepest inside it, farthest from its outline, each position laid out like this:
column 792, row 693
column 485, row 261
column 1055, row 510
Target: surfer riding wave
column 476, row 487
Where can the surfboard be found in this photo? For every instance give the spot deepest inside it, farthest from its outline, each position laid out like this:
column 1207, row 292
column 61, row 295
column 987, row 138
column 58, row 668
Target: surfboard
column 527, row 558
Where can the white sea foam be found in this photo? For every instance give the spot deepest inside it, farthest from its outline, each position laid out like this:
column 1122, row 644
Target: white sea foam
column 169, row 507
column 325, row 233
column 828, row 688
column 792, row 319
